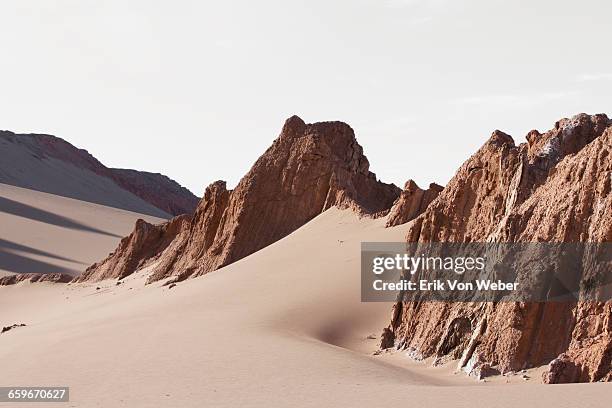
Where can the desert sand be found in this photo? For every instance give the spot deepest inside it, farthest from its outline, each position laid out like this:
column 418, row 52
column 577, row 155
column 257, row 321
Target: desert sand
column 282, row 327
column 41, row 232
column 29, row 161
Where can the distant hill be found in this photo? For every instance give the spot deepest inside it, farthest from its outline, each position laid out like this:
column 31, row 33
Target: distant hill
column 52, row 165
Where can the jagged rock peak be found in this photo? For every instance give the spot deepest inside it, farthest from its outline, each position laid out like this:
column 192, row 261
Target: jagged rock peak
column 412, row 202
column 554, row 188
column 215, row 187
column 568, row 136
column 293, row 127
column 136, row 250
column 500, row 138
column 308, row 169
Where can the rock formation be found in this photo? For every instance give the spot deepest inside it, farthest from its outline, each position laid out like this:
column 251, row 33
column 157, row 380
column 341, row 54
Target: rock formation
column 11, row 327
column 412, row 202
column 50, row 164
column 554, row 188
column 158, row 190
column 308, row 169
column 143, row 245
column 35, row 277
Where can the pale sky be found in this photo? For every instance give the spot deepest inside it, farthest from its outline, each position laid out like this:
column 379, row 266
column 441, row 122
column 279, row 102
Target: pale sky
column 198, row 90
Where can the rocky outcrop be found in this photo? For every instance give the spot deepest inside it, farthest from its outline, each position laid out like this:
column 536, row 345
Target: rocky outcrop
column 143, row 245
column 412, row 202
column 158, row 190
column 50, row 164
column 11, row 327
column 34, row 278
column 554, row 188
column 308, row 169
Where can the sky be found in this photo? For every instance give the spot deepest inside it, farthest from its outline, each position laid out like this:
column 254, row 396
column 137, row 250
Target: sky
column 197, row 90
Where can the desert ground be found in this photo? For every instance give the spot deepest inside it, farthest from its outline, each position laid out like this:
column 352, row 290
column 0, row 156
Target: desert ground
column 47, row 233
column 25, row 164
column 282, row 327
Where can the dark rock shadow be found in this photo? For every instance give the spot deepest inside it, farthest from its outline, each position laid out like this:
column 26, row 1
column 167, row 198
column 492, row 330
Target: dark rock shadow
column 27, row 211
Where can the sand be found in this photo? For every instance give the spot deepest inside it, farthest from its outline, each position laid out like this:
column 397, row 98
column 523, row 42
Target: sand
column 24, row 164
column 42, row 232
column 283, row 327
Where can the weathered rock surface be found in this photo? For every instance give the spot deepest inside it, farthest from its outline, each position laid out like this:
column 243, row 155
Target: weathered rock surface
column 35, row 277
column 412, row 202
column 308, row 169
column 143, row 245
column 554, row 188
column 50, row 164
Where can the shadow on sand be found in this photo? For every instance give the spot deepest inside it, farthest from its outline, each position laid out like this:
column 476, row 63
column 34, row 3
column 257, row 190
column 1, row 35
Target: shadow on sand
column 13, row 246
column 22, row 264
column 27, row 211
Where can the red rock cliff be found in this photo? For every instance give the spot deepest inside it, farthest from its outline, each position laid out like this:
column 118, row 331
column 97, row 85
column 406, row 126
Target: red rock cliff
column 554, row 188
column 308, row 169
column 412, row 202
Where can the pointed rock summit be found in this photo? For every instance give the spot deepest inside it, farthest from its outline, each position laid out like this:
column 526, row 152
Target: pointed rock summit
column 308, row 169
column 412, row 202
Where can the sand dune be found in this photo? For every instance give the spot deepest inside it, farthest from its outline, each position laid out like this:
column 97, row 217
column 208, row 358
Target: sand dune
column 282, row 327
column 42, row 232
column 49, row 164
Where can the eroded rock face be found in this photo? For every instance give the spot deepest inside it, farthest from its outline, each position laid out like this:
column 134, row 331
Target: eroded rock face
column 412, row 202
column 308, row 169
column 157, row 189
column 554, row 188
column 143, row 245
column 35, row 277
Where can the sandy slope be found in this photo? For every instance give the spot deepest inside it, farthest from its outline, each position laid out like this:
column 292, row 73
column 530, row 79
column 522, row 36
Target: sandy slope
column 25, row 164
column 283, row 327
column 42, row 232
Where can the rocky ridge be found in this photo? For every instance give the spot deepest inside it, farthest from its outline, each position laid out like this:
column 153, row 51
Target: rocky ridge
column 34, row 278
column 554, row 188
column 158, row 190
column 308, row 169
column 412, row 202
